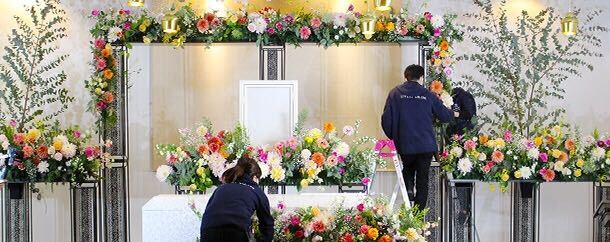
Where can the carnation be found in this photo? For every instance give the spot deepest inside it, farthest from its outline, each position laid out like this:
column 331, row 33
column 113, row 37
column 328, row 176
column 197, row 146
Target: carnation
column 68, row 150
column 305, row 154
column 526, row 172
column 456, row 151
column 465, row 165
column 598, row 153
column 163, row 172
column 533, row 153
column 342, row 149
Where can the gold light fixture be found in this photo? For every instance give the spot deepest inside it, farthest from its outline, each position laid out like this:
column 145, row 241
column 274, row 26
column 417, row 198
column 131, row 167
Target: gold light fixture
column 569, row 23
column 170, row 24
column 383, row 5
column 136, row 3
column 368, row 26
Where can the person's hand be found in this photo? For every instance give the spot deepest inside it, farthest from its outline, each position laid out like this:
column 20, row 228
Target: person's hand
column 455, row 108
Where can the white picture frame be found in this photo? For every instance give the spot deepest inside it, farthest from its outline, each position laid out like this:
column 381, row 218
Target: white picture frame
column 268, row 109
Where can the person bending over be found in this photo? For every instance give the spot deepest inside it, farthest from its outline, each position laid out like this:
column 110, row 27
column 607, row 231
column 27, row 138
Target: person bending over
column 228, row 215
column 407, row 119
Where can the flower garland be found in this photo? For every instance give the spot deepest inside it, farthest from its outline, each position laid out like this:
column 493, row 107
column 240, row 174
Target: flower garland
column 267, row 26
column 551, row 155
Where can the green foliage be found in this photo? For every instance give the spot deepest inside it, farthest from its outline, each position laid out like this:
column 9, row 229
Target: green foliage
column 31, row 74
column 521, row 69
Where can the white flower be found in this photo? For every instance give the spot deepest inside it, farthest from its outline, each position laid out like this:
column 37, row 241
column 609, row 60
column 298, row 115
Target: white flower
column 217, row 164
column 526, row 172
column 566, row 171
column 598, row 153
column 464, row 165
column 316, row 238
column 342, row 149
column 607, row 161
column 163, row 172
column 43, row 167
column 202, row 130
column 340, row 20
column 51, row 150
column 589, row 140
column 113, row 34
column 258, row 24
column 447, row 99
column 3, row 159
column 456, row 151
column 3, row 138
column 68, row 150
column 482, row 157
column 437, row 21
column 58, row 156
column 5, row 145
column 348, row 130
column 305, row 154
column 274, row 159
column 336, row 37
column 558, row 166
column 264, row 170
column 533, row 153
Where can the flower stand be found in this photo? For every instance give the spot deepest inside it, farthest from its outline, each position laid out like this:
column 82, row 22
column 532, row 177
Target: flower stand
column 435, row 200
column 16, row 212
column 525, row 209
column 601, row 218
column 459, row 219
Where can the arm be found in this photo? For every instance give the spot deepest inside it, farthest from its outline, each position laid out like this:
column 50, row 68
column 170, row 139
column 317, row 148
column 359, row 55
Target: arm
column 441, row 112
column 263, row 212
column 387, row 117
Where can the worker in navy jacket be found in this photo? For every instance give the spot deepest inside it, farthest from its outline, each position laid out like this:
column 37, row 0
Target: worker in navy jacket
column 228, row 215
column 407, row 119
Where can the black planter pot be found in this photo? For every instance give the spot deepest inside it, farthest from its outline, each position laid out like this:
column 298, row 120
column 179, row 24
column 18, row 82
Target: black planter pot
column 16, row 190
column 527, row 189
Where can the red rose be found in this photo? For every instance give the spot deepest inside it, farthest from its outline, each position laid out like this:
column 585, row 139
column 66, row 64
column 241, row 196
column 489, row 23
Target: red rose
column 299, row 234
column 214, row 147
column 203, row 25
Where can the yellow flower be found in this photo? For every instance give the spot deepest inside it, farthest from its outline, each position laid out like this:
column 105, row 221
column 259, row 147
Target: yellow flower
column 556, row 130
column 556, row 153
column 538, row 141
column 314, row 134
column 329, row 127
column 608, row 154
column 142, row 28
column 500, row 143
column 311, row 172
column 389, row 26
column 443, row 54
column 32, row 135
column 147, row 22
column 315, row 211
column 146, row 40
column 193, row 187
column 517, row 174
column 379, row 26
column 411, row 234
column 200, row 171
column 233, row 18
column 277, row 173
column 577, row 173
column 304, row 183
column 580, row 163
column 308, row 139
column 504, row 177
column 373, row 233
column 57, row 144
column 437, row 62
column 491, row 143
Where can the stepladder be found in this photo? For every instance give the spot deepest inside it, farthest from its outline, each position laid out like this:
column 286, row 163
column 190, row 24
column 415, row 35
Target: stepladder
column 387, row 150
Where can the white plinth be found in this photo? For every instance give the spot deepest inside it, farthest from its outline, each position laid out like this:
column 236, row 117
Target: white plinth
column 169, row 218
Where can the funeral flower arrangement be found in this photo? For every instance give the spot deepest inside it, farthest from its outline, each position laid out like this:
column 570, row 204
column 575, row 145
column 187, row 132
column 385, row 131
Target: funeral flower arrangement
column 319, row 156
column 553, row 154
column 202, row 156
column 371, row 220
column 120, row 27
column 312, row 156
column 48, row 154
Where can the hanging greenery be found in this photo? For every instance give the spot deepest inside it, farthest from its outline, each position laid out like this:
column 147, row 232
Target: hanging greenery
column 34, row 83
column 522, row 65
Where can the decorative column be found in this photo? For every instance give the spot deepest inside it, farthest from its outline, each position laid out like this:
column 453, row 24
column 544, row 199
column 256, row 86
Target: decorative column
column 272, row 62
column 459, row 219
column 115, row 182
column 525, row 212
column 16, row 212
column 601, row 218
column 84, row 199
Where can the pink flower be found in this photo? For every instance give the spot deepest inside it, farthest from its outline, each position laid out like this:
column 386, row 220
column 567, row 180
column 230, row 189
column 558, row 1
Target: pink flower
column 127, row 26
column 172, row 159
column 305, row 32
column 508, row 136
column 100, row 64
column 360, row 207
column 203, row 25
column 428, row 16
column 28, row 151
column 289, row 19
column 364, row 228
column 279, row 26
column 293, row 143
column 100, row 43
column 280, row 206
column 19, row 138
column 332, row 161
column 543, row 157
column 608, row 142
column 12, row 122
column 448, row 71
column 486, row 168
column 101, row 105
column 270, row 31
column 76, row 134
column 437, row 32
column 445, row 154
column 95, row 12
column 350, row 8
column 295, row 220
column 547, row 174
column 342, row 170
column 403, row 31
column 366, row 181
column 90, row 152
column 316, row 22
column 470, row 145
column 347, row 218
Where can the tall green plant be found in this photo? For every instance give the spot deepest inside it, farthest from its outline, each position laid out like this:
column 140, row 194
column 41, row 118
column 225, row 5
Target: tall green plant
column 521, row 66
column 31, row 75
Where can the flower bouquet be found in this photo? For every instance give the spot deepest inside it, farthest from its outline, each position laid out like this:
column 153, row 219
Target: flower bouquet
column 48, row 154
column 202, row 156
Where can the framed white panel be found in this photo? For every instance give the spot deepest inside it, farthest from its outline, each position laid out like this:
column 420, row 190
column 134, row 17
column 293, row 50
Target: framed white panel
column 268, row 109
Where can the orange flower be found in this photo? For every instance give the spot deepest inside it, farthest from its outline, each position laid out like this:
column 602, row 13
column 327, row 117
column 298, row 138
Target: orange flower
column 318, row 158
column 444, row 45
column 108, row 97
column 379, row 26
column 108, row 74
column 564, row 157
column 436, row 87
column 550, row 140
column 329, row 127
column 106, row 52
column 497, row 156
column 483, row 139
column 570, row 144
column 385, row 238
column 373, row 233
column 389, row 26
column 203, row 149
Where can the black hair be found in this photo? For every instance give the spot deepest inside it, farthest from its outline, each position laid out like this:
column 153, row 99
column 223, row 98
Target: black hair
column 414, row 72
column 244, row 167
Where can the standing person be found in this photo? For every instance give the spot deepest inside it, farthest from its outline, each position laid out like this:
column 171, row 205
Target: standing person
column 407, row 119
column 466, row 107
column 228, row 215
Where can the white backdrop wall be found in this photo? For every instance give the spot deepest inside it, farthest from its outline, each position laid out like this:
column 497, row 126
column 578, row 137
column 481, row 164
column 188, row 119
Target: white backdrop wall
column 566, row 208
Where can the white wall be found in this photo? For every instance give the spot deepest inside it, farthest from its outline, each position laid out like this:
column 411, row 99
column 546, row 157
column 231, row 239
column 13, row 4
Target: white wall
column 566, row 208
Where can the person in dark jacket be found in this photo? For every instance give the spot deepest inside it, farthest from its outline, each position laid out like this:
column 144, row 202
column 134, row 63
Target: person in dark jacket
column 228, row 215
column 407, row 119
column 466, row 106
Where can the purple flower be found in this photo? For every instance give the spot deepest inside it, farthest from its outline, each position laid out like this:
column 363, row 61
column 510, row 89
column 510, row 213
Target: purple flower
column 95, row 12
column 437, row 32
column 342, row 171
column 366, row 181
column 608, row 142
column 350, row 8
column 12, row 122
column 358, row 14
column 127, row 26
column 295, row 220
column 601, row 144
column 529, row 144
column 543, row 157
column 127, row 11
column 281, row 206
column 289, row 19
column 448, row 71
column 279, row 26
column 77, row 134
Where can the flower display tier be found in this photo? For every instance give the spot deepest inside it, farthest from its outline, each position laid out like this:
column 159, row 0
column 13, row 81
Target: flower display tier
column 310, row 157
column 299, row 217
